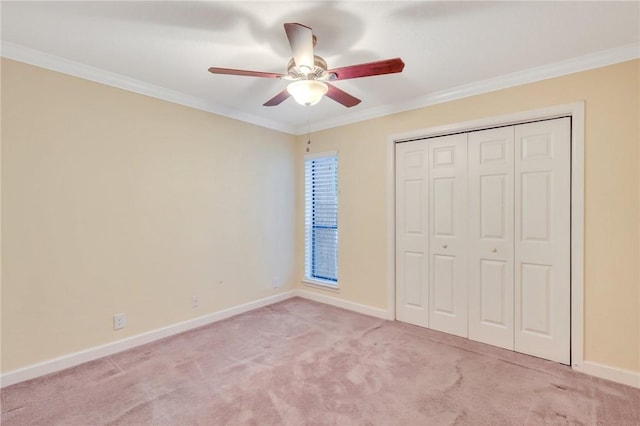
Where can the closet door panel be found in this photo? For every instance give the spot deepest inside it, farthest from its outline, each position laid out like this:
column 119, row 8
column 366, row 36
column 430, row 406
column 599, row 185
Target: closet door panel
column 412, row 233
column 444, row 292
column 542, row 246
column 448, row 234
column 490, row 213
column 494, row 294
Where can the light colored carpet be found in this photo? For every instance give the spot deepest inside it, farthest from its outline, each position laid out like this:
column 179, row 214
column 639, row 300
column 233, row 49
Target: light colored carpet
column 304, row 363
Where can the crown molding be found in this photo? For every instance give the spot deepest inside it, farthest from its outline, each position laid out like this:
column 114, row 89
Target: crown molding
column 581, row 63
column 77, row 69
column 557, row 69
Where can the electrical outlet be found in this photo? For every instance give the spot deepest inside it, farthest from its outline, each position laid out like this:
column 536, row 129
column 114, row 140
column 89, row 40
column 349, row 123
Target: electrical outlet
column 275, row 283
column 195, row 301
column 119, row 321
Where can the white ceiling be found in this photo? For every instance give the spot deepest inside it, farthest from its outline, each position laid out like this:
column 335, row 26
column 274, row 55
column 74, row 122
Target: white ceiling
column 451, row 49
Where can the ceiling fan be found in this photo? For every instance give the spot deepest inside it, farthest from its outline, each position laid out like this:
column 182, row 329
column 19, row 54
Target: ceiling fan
column 309, row 75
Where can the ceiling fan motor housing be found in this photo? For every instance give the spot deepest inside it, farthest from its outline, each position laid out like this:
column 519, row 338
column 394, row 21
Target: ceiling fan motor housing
column 319, row 72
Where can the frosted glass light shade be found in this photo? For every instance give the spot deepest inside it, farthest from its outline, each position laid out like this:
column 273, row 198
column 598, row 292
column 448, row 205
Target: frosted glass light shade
column 307, row 92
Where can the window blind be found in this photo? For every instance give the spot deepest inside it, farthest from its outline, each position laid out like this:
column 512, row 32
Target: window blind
column 321, row 219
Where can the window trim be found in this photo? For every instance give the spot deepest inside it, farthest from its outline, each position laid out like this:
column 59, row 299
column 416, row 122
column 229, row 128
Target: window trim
column 324, row 285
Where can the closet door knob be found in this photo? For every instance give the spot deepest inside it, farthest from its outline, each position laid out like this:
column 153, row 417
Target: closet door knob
column 494, row 250
column 444, row 246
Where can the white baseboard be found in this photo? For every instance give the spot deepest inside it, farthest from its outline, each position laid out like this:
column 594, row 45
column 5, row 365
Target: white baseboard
column 344, row 304
column 91, row 354
column 618, row 375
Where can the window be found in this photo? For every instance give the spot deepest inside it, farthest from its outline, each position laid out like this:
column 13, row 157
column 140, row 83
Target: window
column 321, row 219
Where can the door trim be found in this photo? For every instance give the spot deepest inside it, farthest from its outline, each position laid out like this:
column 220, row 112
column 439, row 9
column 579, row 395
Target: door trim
column 576, row 111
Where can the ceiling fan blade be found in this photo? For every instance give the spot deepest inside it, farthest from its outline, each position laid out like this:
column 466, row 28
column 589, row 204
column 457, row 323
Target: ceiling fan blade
column 301, row 42
column 341, row 96
column 387, row 66
column 230, row 71
column 277, row 99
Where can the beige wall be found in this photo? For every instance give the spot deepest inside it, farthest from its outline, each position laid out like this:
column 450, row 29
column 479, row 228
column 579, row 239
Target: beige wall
column 116, row 202
column 612, row 279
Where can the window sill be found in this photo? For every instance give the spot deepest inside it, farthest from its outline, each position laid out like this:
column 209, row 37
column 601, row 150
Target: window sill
column 323, row 285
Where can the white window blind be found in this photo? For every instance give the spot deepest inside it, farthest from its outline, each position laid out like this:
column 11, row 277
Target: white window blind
column 321, row 219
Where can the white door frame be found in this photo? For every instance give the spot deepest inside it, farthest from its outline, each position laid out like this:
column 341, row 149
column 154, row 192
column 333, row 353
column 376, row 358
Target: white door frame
column 576, row 111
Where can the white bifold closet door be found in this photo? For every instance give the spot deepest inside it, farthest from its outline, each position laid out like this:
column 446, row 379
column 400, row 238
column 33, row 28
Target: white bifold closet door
column 543, row 239
column 448, row 234
column 412, row 233
column 483, row 236
column 519, row 239
column 491, row 210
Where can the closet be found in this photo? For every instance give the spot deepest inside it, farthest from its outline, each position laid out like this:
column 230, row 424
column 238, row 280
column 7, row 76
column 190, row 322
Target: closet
column 483, row 236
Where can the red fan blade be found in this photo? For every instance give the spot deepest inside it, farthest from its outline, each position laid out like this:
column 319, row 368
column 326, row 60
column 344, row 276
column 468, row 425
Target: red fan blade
column 387, row 66
column 277, row 99
column 230, row 71
column 301, row 42
column 341, row 96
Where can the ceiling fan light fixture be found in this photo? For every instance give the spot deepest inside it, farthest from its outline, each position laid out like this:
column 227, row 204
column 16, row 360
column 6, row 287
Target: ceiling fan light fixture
column 307, row 92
